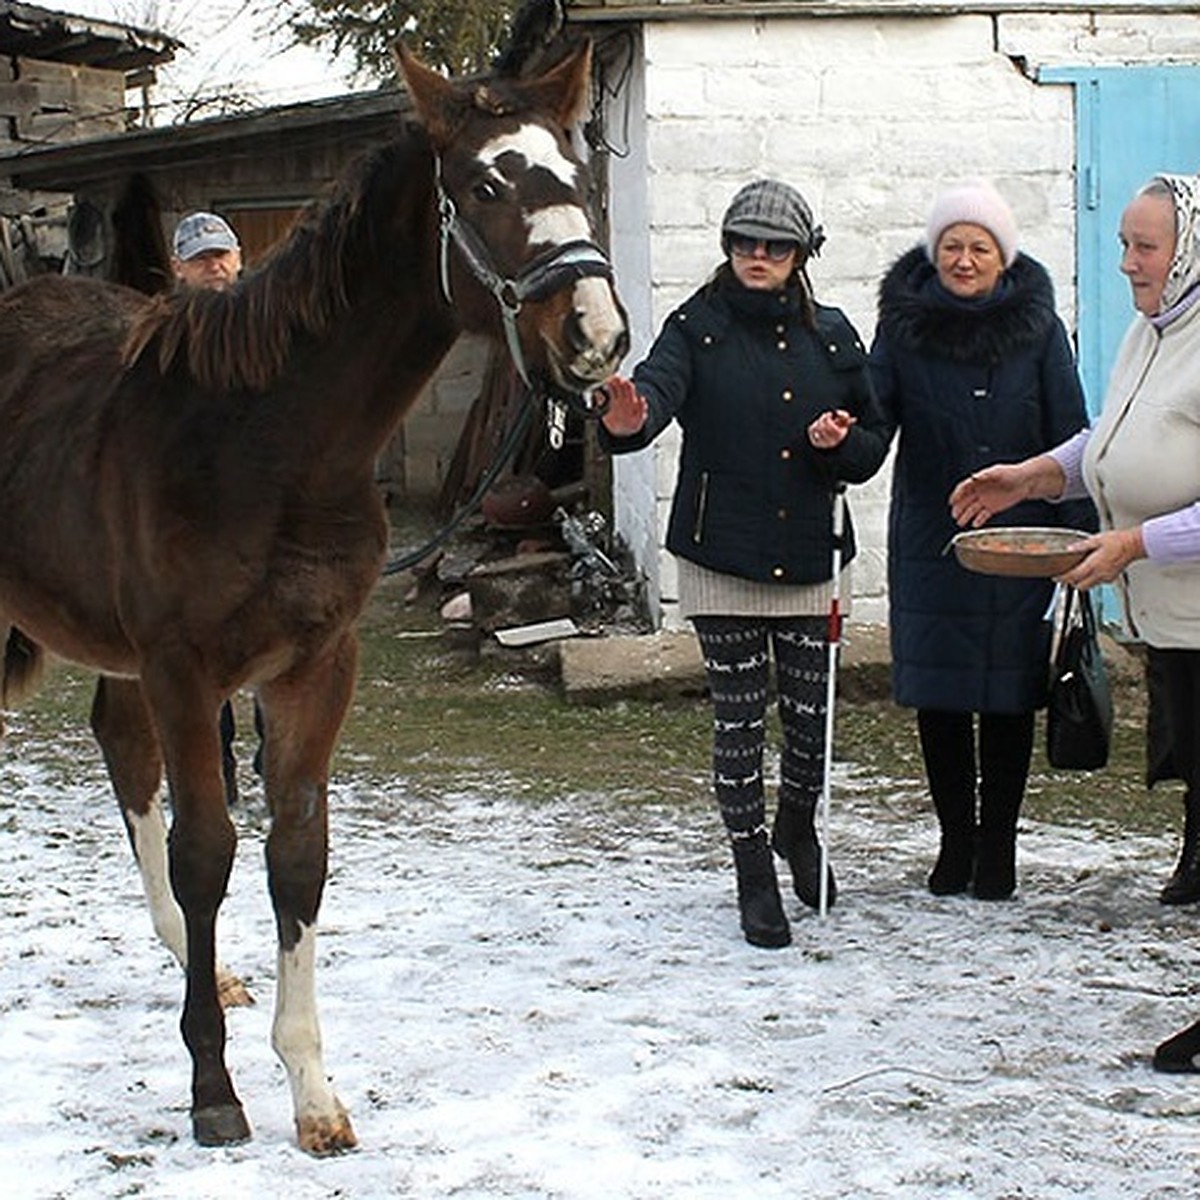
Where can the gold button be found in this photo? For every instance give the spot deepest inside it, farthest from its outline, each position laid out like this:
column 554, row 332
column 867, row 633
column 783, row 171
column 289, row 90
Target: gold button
column 708, row 339
column 781, row 345
column 777, row 572
column 783, row 514
column 785, row 452
column 787, row 395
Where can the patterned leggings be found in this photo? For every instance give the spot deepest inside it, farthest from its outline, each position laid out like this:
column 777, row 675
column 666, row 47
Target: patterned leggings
column 736, row 658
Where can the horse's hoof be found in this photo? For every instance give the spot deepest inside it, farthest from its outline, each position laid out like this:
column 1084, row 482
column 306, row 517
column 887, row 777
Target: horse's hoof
column 220, row 1125
column 231, row 991
column 323, row 1136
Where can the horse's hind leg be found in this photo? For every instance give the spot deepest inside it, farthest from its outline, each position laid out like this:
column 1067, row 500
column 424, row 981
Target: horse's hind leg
column 304, row 711
column 123, row 728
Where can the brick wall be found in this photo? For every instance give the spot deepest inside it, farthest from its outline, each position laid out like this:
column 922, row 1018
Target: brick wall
column 868, row 117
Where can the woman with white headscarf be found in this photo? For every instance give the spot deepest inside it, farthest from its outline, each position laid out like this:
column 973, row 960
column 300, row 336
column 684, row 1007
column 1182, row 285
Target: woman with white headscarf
column 1140, row 463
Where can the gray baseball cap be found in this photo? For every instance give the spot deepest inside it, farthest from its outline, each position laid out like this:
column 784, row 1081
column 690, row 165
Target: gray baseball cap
column 201, row 231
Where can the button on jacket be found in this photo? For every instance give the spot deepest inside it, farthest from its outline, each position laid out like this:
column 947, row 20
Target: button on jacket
column 745, row 377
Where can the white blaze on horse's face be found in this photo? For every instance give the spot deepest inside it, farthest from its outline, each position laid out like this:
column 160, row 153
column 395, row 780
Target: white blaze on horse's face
column 598, row 322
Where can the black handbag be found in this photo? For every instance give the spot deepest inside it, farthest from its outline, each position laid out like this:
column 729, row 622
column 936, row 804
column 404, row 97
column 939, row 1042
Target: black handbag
column 1079, row 712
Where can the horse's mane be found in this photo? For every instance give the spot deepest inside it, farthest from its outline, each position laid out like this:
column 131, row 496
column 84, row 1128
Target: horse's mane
column 241, row 338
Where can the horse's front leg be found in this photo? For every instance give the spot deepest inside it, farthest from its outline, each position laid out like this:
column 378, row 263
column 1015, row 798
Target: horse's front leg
column 129, row 743
column 201, row 847
column 303, row 712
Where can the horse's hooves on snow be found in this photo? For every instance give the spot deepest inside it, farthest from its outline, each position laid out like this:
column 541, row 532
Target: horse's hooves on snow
column 220, row 1125
column 323, row 1137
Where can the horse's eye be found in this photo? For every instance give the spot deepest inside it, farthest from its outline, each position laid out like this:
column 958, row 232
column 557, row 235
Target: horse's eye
column 485, row 191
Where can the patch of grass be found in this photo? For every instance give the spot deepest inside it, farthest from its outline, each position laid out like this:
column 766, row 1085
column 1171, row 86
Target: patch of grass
column 444, row 720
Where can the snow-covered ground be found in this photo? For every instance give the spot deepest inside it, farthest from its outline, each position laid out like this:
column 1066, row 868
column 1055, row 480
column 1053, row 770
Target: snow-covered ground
column 554, row 1001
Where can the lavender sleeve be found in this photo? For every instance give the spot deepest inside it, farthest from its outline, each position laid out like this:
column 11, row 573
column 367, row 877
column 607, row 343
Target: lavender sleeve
column 1174, row 537
column 1069, row 456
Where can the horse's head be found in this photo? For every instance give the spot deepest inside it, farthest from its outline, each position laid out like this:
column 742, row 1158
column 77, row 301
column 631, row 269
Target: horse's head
column 517, row 248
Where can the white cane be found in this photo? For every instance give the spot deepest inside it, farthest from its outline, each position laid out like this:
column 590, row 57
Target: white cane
column 833, row 638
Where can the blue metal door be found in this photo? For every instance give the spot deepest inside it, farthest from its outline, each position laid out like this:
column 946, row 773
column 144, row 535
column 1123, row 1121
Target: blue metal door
column 1131, row 122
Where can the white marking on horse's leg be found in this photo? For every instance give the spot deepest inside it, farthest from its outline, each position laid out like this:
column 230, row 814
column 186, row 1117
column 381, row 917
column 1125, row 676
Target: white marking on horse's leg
column 149, row 835
column 322, row 1124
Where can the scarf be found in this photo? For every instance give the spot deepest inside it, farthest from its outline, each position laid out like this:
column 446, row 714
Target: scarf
column 1182, row 288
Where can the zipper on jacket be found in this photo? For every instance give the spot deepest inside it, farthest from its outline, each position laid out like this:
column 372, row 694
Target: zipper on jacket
column 701, row 504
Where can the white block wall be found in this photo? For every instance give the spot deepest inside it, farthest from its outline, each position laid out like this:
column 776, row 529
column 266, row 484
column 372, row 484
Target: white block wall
column 869, row 117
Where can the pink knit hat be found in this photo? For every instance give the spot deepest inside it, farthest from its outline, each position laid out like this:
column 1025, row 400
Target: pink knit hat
column 974, row 203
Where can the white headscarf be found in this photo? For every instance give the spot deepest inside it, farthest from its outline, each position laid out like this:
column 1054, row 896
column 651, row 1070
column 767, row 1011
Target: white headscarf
column 1182, row 288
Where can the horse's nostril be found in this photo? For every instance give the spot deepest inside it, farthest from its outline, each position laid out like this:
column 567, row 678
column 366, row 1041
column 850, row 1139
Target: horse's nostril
column 576, row 338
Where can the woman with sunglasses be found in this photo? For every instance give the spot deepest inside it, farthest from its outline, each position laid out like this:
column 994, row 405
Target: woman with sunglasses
column 771, row 391
column 972, row 365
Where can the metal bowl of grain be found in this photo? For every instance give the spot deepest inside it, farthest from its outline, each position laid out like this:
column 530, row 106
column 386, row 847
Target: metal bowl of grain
column 1024, row 552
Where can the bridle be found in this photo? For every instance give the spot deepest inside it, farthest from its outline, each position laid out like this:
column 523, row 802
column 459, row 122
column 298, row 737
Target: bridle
column 545, row 274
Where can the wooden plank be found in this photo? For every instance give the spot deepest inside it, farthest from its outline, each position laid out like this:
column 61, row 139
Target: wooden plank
column 18, row 99
column 71, row 88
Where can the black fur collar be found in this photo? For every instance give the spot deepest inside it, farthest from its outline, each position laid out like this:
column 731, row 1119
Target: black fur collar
column 916, row 313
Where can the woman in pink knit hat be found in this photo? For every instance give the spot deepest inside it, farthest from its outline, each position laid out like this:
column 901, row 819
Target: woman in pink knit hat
column 971, row 365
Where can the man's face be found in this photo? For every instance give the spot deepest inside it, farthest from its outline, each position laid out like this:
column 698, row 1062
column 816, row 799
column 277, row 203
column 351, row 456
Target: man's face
column 213, row 269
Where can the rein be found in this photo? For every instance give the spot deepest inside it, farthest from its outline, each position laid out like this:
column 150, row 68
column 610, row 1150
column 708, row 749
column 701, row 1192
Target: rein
column 512, row 439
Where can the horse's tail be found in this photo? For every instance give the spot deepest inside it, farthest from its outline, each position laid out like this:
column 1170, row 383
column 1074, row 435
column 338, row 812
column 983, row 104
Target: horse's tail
column 24, row 662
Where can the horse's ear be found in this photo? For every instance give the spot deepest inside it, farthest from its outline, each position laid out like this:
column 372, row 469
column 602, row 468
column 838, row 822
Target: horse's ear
column 438, row 103
column 564, row 90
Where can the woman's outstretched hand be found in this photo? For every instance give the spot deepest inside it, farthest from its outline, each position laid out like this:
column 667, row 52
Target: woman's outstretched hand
column 626, row 411
column 976, row 499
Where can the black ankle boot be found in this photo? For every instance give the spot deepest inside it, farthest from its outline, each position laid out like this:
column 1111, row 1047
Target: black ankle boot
column 763, row 919
column 795, row 839
column 955, row 866
column 996, row 864
column 1177, row 1055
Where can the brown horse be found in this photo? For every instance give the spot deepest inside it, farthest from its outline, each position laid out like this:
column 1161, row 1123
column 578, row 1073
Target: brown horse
column 187, row 501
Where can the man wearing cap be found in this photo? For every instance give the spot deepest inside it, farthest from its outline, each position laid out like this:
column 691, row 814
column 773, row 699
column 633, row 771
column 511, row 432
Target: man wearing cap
column 206, row 252
column 972, row 365
column 771, row 391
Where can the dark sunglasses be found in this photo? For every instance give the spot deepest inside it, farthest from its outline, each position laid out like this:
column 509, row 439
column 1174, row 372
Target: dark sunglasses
column 777, row 249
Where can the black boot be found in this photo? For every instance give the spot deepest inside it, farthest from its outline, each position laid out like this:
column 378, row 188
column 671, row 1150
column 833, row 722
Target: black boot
column 763, row 919
column 795, row 839
column 948, row 749
column 1184, row 885
column 1177, row 1055
column 996, row 863
column 1005, row 747
column 955, row 866
column 996, row 853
